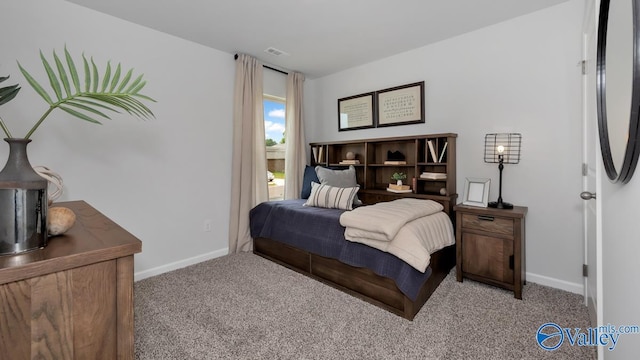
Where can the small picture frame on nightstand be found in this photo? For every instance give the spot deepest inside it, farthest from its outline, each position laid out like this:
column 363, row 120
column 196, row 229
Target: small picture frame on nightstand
column 476, row 192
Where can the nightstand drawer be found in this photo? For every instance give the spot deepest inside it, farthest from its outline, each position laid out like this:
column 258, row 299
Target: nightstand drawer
column 492, row 224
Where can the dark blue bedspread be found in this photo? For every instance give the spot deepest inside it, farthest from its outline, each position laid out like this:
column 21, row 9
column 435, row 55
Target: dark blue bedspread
column 318, row 231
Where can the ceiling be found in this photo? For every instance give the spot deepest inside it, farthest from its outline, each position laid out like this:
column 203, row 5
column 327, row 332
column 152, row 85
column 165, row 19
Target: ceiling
column 321, row 37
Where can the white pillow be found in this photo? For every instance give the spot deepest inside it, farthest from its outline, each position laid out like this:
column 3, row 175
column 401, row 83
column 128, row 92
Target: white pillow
column 331, row 197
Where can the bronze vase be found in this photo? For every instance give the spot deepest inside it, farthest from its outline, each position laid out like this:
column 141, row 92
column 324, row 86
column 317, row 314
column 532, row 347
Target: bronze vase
column 23, row 202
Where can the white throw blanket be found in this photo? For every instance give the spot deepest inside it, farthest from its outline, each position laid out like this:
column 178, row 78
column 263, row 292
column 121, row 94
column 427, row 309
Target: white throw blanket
column 417, row 236
column 383, row 220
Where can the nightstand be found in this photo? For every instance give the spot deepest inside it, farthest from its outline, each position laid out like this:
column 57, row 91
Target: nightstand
column 490, row 246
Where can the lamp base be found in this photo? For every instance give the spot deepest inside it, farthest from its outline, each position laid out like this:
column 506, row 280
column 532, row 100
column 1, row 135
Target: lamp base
column 500, row 205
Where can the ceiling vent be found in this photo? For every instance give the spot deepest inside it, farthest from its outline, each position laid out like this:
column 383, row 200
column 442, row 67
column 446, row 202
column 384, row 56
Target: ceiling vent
column 275, row 52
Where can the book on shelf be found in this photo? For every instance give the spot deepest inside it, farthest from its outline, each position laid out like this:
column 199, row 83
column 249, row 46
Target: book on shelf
column 399, row 191
column 432, row 151
column 315, row 154
column 444, row 148
column 349, row 162
column 399, row 187
column 320, row 154
column 433, row 176
column 395, row 162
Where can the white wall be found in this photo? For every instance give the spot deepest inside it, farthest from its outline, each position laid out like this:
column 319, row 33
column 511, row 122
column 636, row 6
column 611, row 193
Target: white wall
column 158, row 179
column 517, row 76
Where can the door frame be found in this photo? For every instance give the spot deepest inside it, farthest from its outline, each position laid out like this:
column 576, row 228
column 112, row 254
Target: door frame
column 589, row 119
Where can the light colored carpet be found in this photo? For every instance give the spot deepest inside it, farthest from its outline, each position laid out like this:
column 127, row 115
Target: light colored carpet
column 245, row 307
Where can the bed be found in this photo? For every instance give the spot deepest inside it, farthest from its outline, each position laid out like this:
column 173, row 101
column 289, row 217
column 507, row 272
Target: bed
column 311, row 240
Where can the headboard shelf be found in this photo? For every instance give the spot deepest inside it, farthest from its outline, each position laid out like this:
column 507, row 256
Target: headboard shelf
column 432, row 155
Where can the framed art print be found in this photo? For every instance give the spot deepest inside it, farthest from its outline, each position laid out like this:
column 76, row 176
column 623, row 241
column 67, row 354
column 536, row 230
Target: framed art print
column 356, row 112
column 401, row 105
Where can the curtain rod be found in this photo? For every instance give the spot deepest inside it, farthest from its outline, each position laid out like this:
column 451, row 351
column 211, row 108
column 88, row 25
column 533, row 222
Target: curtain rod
column 235, row 57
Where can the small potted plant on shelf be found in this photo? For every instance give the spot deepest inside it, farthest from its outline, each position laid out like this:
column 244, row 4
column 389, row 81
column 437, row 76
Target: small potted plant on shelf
column 398, row 186
column 398, row 177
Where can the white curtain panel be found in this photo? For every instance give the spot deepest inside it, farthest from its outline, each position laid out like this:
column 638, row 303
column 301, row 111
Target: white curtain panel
column 249, row 168
column 295, row 145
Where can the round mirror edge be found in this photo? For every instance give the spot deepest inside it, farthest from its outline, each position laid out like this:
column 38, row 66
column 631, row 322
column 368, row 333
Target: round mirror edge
column 605, row 148
column 632, row 148
column 633, row 142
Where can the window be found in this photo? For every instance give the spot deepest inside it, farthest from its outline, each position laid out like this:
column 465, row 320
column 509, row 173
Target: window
column 274, row 118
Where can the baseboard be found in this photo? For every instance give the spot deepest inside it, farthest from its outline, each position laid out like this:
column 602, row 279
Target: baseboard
column 179, row 264
column 556, row 283
column 534, row 278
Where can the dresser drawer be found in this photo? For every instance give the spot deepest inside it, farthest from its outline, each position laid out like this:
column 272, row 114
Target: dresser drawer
column 492, row 224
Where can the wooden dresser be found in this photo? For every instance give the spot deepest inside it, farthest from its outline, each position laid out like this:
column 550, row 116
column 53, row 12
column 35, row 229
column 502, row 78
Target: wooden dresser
column 490, row 246
column 74, row 298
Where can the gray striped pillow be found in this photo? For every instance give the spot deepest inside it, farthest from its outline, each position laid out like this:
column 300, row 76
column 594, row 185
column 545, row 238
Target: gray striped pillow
column 331, row 197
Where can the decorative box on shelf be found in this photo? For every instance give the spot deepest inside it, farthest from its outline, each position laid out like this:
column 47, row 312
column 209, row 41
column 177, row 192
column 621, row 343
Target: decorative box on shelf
column 399, row 188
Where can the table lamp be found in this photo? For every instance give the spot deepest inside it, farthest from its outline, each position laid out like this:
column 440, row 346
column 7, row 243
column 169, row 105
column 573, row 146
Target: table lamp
column 502, row 148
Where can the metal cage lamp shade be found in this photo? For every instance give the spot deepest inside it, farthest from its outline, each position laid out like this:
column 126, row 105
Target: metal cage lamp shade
column 503, row 148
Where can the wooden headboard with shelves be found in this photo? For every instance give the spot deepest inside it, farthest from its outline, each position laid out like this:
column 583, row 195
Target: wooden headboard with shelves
column 430, row 154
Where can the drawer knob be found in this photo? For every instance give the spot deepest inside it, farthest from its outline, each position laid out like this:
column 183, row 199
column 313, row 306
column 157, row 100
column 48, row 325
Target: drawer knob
column 485, row 218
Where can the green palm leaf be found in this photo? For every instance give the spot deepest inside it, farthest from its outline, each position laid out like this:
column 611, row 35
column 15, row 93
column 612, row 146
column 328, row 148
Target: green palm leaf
column 115, row 79
column 94, row 104
column 109, row 94
column 35, row 85
column 134, row 84
column 88, row 109
column 53, row 80
column 125, row 81
column 136, row 89
column 87, row 74
column 107, row 76
column 72, row 70
column 8, row 93
column 79, row 115
column 96, row 77
column 126, row 103
column 63, row 74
